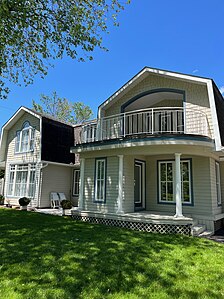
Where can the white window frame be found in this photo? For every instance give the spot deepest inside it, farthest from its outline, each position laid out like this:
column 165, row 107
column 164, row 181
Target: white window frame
column 100, row 181
column 14, row 170
column 173, row 182
column 76, row 182
column 20, row 139
column 218, row 184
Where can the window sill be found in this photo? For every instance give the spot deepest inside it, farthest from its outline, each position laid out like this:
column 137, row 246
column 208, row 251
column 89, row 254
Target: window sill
column 99, row 201
column 174, row 203
column 30, row 151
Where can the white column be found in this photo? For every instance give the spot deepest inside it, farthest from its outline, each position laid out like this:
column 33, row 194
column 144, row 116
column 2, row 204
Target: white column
column 81, row 187
column 178, row 186
column 120, row 184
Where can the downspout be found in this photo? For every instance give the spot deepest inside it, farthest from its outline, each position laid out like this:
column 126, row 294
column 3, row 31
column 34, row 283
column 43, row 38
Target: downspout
column 41, row 165
column 40, row 180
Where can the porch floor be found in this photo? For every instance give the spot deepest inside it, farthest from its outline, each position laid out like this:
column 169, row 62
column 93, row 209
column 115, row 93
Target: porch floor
column 140, row 216
column 57, row 212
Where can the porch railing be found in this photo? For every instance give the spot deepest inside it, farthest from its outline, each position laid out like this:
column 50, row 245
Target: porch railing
column 147, row 122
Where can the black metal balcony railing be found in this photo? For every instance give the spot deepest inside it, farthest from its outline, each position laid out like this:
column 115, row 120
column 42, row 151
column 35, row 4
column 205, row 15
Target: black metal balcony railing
column 147, row 121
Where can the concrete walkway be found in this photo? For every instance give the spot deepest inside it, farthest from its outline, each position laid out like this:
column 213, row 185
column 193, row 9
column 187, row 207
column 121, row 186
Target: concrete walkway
column 218, row 236
column 57, row 212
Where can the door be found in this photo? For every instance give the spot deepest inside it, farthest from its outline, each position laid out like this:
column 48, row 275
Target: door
column 139, row 185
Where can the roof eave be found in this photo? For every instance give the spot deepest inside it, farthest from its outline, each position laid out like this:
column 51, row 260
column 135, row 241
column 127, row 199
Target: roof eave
column 142, row 74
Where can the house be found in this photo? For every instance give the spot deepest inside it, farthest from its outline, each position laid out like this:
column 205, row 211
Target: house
column 35, row 151
column 154, row 158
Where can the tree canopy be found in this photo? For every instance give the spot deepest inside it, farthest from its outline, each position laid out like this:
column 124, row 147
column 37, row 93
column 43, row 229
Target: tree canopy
column 33, row 33
column 62, row 109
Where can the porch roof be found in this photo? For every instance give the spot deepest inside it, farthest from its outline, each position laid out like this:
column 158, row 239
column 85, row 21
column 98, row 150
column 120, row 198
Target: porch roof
column 184, row 140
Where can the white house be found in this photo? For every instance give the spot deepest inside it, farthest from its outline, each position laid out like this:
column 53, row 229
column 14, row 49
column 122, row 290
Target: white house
column 35, row 151
column 154, row 158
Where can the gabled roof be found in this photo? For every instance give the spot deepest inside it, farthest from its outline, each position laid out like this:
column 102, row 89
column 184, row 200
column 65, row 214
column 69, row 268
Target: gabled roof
column 39, row 115
column 13, row 120
column 142, row 75
column 215, row 98
column 4, row 132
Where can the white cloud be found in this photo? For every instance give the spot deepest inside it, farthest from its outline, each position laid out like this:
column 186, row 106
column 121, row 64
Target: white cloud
column 221, row 89
column 195, row 71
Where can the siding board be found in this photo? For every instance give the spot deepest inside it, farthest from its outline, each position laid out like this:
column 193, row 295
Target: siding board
column 55, row 178
column 110, row 205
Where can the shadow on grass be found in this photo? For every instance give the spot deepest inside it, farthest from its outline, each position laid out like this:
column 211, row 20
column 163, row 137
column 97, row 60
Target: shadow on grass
column 43, row 256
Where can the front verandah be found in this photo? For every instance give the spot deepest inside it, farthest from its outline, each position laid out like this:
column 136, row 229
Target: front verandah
column 139, row 189
column 159, row 209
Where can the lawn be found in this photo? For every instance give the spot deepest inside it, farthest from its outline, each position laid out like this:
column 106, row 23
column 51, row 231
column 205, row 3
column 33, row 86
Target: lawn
column 43, row 256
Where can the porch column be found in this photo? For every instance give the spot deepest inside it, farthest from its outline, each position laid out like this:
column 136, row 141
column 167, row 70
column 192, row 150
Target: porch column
column 81, row 186
column 120, row 185
column 178, row 186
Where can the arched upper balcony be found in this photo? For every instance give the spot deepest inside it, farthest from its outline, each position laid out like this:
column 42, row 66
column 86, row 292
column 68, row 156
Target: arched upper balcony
column 158, row 111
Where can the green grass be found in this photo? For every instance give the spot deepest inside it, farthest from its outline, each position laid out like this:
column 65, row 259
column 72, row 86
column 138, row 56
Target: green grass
column 43, row 256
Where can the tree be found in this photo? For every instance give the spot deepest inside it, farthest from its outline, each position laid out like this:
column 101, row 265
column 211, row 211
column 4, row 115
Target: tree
column 62, row 109
column 33, row 33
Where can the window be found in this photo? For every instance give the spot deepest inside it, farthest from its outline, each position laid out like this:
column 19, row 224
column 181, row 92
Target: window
column 76, row 180
column 166, row 181
column 21, row 180
column 218, row 185
column 25, row 139
column 100, row 180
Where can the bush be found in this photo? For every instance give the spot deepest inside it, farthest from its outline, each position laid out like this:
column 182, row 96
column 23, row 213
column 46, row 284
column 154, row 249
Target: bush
column 2, row 198
column 24, row 201
column 66, row 204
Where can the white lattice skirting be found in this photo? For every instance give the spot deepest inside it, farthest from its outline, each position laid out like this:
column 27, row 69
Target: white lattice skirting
column 184, row 229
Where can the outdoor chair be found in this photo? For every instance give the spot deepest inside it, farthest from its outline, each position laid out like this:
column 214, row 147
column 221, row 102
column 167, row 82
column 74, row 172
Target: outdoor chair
column 55, row 200
column 61, row 196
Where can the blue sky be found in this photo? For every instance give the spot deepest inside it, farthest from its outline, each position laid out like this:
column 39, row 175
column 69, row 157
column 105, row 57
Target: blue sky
column 182, row 36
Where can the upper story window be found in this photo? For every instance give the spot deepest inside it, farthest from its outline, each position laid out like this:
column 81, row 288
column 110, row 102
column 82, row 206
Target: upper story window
column 25, row 139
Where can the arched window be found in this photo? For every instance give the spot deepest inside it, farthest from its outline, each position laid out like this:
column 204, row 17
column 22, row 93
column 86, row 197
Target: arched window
column 25, row 139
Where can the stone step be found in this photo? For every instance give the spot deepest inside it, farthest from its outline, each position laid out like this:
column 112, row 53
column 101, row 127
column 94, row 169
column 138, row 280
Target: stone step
column 198, row 229
column 206, row 234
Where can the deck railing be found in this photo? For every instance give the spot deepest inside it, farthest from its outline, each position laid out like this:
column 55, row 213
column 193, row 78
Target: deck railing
column 147, row 122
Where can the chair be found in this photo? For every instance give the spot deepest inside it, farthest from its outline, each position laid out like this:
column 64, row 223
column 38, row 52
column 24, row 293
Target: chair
column 61, row 196
column 55, row 200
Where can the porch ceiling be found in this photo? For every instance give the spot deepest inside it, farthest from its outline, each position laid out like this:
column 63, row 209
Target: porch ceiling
column 153, row 99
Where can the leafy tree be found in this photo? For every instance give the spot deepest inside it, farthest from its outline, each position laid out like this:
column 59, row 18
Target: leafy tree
column 34, row 32
column 62, row 109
